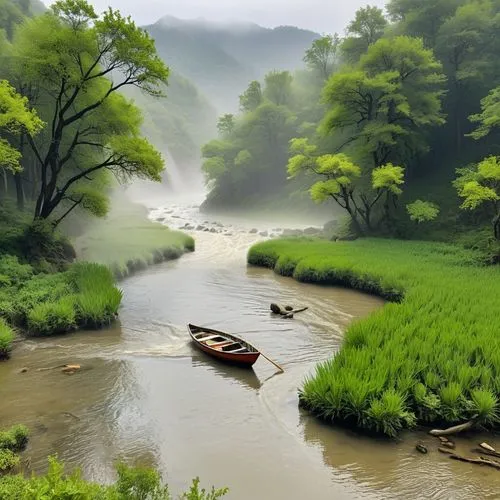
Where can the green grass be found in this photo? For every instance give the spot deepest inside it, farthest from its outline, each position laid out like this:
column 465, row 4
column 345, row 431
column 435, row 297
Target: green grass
column 127, row 241
column 6, row 339
column 430, row 356
column 84, row 296
column 133, row 483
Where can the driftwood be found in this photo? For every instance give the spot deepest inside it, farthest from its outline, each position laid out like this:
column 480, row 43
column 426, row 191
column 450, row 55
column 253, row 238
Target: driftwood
column 453, row 430
column 64, row 368
column 287, row 312
column 471, row 460
column 486, row 446
column 487, row 452
column 447, row 443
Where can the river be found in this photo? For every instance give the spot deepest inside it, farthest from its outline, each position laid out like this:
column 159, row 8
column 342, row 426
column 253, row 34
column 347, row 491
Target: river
column 146, row 396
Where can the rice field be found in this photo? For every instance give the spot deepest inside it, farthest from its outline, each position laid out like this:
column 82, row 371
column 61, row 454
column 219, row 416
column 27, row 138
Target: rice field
column 429, row 356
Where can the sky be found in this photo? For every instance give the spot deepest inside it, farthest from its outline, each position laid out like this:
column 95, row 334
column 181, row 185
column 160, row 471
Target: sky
column 323, row 16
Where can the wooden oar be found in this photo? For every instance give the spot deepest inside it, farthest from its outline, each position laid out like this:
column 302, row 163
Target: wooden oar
column 271, row 361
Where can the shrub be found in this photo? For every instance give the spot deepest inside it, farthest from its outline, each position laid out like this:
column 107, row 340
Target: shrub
column 6, row 339
column 132, row 484
column 8, row 460
column 15, row 439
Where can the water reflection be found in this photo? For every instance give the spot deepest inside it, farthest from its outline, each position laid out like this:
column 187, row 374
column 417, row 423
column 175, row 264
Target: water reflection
column 246, row 377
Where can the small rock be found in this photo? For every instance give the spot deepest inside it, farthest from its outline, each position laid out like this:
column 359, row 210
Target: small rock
column 70, row 369
column 229, row 234
column 206, row 230
column 176, row 217
column 200, row 228
column 160, row 219
column 278, row 230
column 421, row 448
column 189, row 227
column 253, row 231
column 292, row 232
column 311, row 230
column 23, row 370
column 213, row 230
column 264, row 233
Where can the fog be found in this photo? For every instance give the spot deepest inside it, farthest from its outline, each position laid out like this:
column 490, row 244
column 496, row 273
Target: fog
column 317, row 15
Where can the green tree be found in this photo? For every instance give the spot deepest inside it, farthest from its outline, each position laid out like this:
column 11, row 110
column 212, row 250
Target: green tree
column 366, row 28
column 422, row 211
column 251, row 99
column 383, row 108
column 225, row 124
column 345, row 182
column 422, row 18
column 82, row 61
column 480, row 186
column 322, row 56
column 15, row 118
column 278, row 87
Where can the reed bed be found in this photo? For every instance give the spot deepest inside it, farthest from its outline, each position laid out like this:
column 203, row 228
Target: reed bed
column 431, row 356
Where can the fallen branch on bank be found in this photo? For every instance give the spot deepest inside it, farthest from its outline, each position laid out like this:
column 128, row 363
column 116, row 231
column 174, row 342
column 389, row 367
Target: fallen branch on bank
column 453, row 430
column 471, row 460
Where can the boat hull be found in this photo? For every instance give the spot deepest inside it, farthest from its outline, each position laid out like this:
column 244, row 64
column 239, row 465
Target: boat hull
column 246, row 359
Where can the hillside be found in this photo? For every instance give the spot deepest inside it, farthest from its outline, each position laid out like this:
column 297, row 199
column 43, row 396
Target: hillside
column 222, row 59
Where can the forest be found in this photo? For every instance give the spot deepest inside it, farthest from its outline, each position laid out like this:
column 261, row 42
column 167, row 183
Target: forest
column 394, row 124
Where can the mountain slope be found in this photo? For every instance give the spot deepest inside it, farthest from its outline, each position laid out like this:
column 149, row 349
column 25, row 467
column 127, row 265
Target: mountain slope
column 223, row 59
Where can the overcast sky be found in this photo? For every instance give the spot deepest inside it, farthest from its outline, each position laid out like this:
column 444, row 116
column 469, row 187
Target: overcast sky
column 324, row 16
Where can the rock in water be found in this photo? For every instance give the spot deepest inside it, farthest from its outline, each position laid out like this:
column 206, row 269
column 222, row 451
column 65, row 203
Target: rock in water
column 253, row 231
column 421, row 448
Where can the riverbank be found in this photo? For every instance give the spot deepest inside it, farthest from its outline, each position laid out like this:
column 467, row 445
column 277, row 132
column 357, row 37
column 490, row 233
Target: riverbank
column 431, row 357
column 43, row 292
column 127, row 241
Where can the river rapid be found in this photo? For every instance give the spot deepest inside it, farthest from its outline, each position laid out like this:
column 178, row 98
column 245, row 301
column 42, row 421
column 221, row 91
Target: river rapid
column 146, row 396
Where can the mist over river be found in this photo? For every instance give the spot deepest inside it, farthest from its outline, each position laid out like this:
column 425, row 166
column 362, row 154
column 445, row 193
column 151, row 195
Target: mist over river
column 145, row 395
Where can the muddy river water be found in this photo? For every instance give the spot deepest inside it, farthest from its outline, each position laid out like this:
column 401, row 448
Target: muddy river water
column 145, row 395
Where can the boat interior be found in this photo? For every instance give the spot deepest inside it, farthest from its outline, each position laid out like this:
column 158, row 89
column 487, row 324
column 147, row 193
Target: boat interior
column 220, row 343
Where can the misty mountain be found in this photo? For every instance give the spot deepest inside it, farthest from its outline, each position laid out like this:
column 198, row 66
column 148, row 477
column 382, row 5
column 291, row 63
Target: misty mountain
column 223, row 58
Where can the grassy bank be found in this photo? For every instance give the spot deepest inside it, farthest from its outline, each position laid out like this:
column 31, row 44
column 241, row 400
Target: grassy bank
column 126, row 241
column 132, row 483
column 431, row 356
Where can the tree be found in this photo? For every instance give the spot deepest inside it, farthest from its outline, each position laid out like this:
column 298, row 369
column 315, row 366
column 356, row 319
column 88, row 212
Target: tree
column 251, row 99
column 15, row 118
column 480, row 186
column 322, row 55
column 422, row 211
column 366, row 28
column 225, row 124
column 278, row 87
column 383, row 107
column 81, row 61
column 422, row 18
column 346, row 183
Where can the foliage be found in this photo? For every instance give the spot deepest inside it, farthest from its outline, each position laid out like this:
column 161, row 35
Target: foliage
column 480, row 185
column 15, row 118
column 422, row 211
column 6, row 338
column 342, row 181
column 91, row 126
column 433, row 356
column 322, row 56
column 132, row 484
column 364, row 30
column 14, row 439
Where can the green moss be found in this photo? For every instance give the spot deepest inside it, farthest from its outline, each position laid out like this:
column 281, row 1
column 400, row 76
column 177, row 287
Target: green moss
column 432, row 356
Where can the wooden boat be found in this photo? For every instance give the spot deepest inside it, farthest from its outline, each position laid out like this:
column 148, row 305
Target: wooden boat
column 223, row 346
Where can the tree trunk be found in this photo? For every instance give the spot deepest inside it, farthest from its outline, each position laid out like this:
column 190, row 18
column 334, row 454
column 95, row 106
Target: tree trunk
column 5, row 182
column 19, row 191
column 496, row 226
